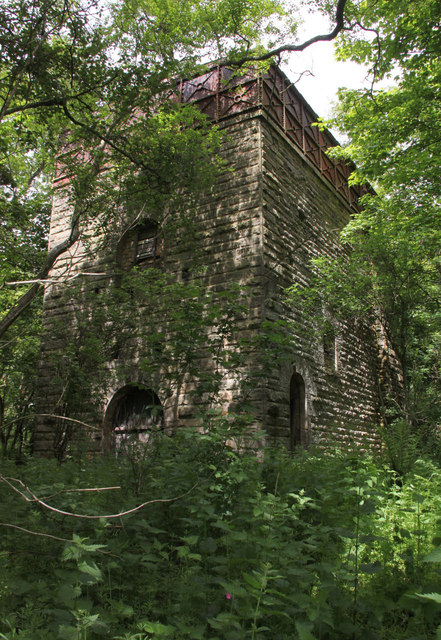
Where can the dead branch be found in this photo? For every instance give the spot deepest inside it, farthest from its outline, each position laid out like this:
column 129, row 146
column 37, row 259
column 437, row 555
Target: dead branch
column 17, row 283
column 33, row 533
column 34, row 499
column 51, row 537
column 53, row 415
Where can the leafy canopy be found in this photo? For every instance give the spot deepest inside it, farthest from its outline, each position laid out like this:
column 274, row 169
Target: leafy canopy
column 99, row 77
column 393, row 130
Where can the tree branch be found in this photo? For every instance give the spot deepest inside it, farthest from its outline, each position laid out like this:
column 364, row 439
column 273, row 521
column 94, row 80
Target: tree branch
column 53, row 415
column 37, row 500
column 34, row 533
column 26, row 299
column 31, row 293
column 51, row 537
column 29, row 296
column 339, row 24
column 15, row 79
column 49, row 102
column 103, row 138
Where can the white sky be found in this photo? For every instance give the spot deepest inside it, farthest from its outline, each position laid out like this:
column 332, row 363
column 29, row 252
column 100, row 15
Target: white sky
column 327, row 75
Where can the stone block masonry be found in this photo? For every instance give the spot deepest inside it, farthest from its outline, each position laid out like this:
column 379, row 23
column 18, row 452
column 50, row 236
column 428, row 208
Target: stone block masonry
column 273, row 209
column 302, row 217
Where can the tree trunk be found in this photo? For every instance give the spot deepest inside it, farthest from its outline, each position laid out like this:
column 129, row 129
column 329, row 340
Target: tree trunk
column 30, row 294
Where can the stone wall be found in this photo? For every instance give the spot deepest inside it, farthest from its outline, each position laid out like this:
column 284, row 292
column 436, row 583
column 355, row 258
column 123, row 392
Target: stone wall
column 223, row 251
column 267, row 215
column 303, row 216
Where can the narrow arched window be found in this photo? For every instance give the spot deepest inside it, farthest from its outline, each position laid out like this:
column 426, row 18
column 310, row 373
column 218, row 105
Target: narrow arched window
column 297, row 411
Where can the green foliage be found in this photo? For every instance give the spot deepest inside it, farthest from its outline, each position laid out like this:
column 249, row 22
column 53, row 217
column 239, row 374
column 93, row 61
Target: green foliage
column 101, row 78
column 217, row 544
column 394, row 141
column 165, row 326
column 390, row 276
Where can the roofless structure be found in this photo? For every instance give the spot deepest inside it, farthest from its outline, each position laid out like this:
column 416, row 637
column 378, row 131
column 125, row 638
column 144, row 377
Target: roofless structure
column 280, row 202
column 220, row 94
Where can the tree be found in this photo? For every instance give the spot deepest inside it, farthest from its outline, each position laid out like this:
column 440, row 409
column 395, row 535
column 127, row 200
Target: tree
column 82, row 70
column 394, row 141
column 86, row 75
column 87, row 69
column 78, row 75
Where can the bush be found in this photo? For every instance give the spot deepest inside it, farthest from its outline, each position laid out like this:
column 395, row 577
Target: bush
column 215, row 544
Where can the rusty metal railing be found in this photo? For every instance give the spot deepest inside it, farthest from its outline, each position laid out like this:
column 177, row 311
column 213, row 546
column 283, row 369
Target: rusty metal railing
column 220, row 93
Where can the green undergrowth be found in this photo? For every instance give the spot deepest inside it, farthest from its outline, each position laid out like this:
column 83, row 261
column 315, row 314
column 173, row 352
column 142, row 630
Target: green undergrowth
column 193, row 540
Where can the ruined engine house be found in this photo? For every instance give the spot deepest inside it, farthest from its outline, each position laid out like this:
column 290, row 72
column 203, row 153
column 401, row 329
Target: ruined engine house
column 281, row 202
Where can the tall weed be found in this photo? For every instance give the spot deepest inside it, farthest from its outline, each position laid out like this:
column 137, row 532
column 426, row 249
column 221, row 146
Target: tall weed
column 227, row 546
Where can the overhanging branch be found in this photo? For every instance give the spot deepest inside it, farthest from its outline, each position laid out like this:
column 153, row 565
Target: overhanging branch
column 274, row 53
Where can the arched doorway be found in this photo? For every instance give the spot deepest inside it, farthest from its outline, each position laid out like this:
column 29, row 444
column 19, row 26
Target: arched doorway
column 134, row 414
column 297, row 412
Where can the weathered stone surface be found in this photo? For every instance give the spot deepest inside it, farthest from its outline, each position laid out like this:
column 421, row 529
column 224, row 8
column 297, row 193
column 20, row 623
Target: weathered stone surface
column 259, row 226
column 302, row 219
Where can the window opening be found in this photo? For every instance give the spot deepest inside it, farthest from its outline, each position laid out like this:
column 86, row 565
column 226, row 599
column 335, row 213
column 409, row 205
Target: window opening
column 137, row 417
column 146, row 242
column 297, row 411
column 329, row 349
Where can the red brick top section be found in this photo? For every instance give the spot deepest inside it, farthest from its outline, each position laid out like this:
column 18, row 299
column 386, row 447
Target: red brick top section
column 220, row 93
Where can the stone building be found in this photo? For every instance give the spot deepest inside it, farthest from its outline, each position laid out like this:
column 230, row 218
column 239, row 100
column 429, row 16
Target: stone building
column 280, row 203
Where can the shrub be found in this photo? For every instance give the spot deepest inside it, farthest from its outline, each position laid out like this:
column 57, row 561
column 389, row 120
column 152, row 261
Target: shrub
column 215, row 544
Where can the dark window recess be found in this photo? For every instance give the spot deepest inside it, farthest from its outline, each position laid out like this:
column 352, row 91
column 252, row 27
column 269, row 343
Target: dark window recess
column 329, row 349
column 146, row 243
column 114, row 351
column 297, row 411
column 138, row 415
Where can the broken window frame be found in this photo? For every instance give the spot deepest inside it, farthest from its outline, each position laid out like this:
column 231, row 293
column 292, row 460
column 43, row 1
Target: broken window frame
column 146, row 235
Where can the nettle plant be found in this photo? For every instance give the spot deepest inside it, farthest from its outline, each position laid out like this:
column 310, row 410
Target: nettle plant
column 219, row 544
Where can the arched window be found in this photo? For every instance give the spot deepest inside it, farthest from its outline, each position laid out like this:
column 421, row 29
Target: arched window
column 134, row 415
column 297, row 412
column 141, row 245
